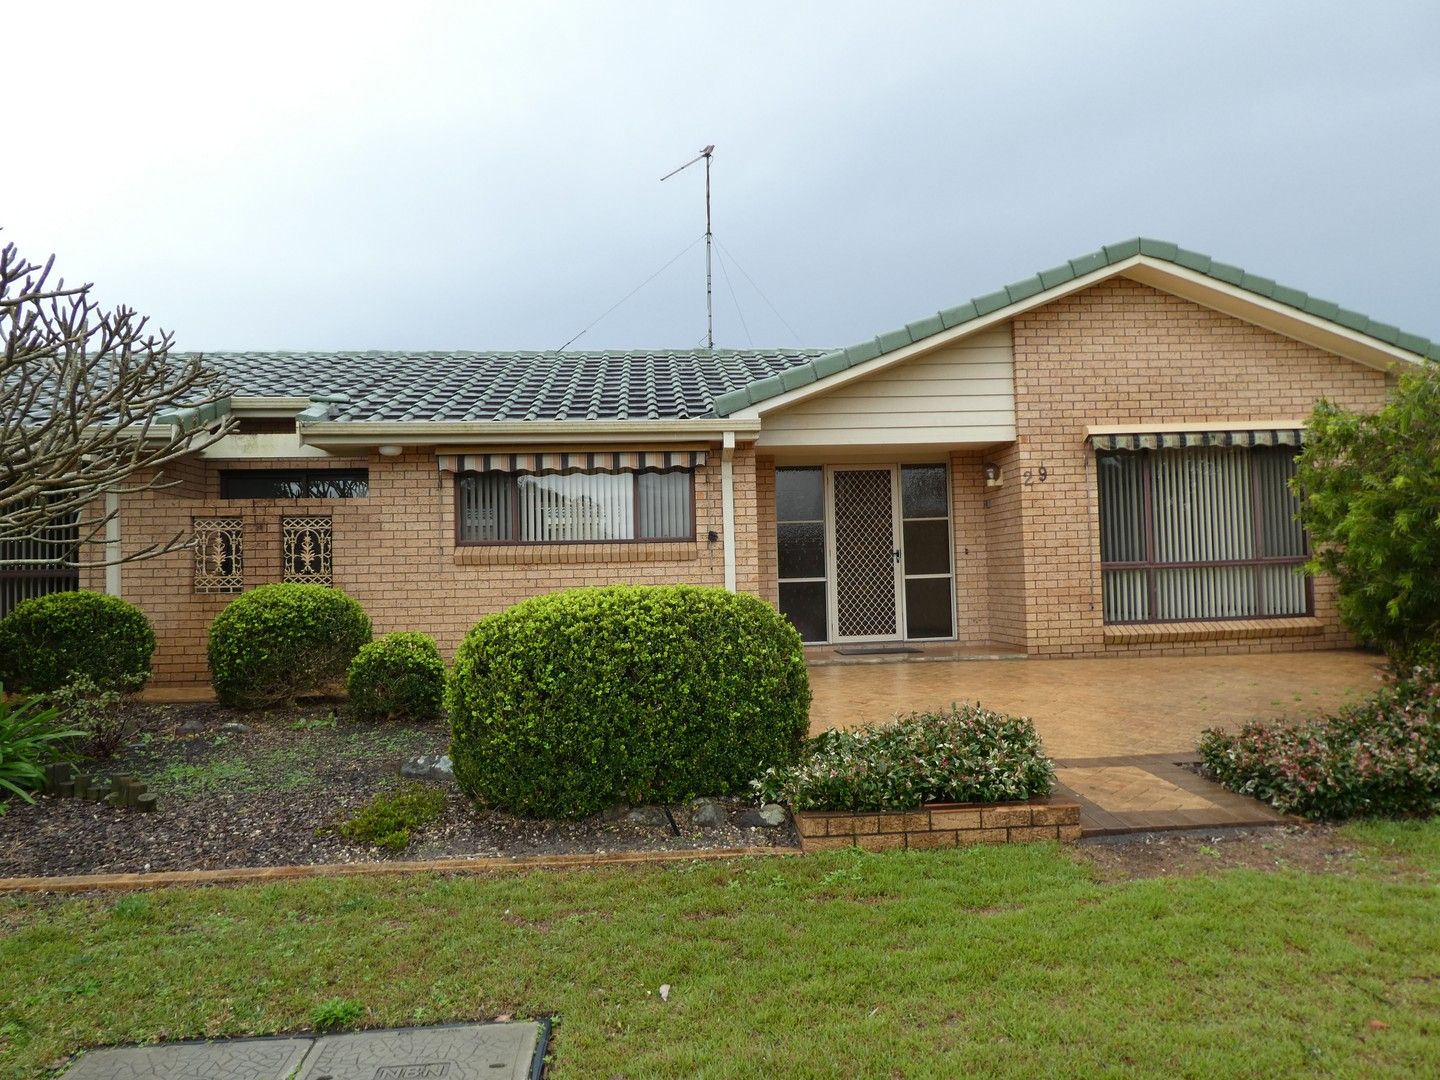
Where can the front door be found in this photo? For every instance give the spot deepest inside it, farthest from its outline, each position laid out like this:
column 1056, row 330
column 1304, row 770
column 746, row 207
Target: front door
column 865, row 552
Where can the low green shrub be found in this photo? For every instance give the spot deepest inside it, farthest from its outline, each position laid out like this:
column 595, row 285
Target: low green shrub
column 30, row 738
column 1380, row 756
column 387, row 820
column 49, row 640
column 567, row 703
column 397, row 677
column 272, row 644
column 105, row 718
column 966, row 754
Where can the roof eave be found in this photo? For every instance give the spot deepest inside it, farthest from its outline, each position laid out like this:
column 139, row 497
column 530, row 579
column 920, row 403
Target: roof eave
column 349, row 434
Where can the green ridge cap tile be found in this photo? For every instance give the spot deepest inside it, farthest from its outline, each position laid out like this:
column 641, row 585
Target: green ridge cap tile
column 894, row 339
column 1262, row 286
column 1125, row 249
column 1411, row 342
column 1158, row 249
column 1433, row 352
column 1352, row 319
column 990, row 302
column 866, row 350
column 796, row 377
column 1285, row 295
column 1088, row 264
column 734, row 401
column 1056, row 275
column 1231, row 275
column 927, row 327
column 957, row 316
column 1323, row 309
column 1192, row 260
column 1023, row 290
column 1384, row 331
column 767, row 387
column 831, row 364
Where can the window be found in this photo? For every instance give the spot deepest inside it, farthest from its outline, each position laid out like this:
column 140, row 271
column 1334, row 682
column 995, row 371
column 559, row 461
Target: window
column 40, row 564
column 294, row 483
column 800, row 547
column 305, row 550
column 218, row 550
column 1200, row 533
column 574, row 507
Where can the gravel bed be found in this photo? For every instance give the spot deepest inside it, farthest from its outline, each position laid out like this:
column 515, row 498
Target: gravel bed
column 272, row 794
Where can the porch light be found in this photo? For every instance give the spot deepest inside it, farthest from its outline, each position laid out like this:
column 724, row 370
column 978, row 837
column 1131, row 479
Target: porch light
column 993, row 476
column 391, row 451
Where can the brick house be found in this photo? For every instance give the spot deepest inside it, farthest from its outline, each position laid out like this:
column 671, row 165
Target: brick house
column 1090, row 462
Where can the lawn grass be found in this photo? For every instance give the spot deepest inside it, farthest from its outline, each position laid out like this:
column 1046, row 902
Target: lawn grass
column 1007, row 962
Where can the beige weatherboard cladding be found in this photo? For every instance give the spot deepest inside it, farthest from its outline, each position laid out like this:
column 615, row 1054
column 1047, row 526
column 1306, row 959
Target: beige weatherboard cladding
column 963, row 392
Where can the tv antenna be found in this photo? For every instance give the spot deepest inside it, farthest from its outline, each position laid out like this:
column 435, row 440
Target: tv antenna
column 709, row 242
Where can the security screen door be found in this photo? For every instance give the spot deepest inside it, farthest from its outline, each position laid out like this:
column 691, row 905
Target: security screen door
column 865, row 555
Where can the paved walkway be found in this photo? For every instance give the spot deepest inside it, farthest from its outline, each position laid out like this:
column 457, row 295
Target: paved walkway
column 453, row 1051
column 1117, row 729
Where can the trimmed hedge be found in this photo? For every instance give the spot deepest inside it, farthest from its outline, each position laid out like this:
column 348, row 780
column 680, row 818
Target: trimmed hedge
column 274, row 643
column 567, row 703
column 1379, row 756
column 48, row 641
column 398, row 676
column 968, row 754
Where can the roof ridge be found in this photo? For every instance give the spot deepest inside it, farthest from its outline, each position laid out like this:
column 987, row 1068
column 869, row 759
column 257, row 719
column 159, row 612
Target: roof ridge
column 838, row 360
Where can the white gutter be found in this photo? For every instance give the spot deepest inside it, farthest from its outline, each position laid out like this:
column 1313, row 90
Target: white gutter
column 327, row 433
column 727, row 506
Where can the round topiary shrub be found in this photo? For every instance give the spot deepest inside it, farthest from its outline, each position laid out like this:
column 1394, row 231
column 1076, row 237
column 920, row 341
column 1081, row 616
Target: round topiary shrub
column 274, row 643
column 48, row 641
column 397, row 677
column 566, row 703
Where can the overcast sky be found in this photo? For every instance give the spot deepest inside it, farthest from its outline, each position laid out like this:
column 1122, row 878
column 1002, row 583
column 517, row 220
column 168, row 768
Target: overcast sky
column 413, row 176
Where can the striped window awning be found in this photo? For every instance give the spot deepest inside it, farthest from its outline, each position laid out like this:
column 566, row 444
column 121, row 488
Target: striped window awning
column 1168, row 440
column 568, row 461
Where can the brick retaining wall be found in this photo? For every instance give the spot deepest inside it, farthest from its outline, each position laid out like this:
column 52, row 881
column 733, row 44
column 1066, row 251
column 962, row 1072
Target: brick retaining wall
column 939, row 825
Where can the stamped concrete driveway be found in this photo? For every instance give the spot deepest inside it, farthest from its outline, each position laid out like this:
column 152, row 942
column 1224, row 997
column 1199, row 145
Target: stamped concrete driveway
column 1119, row 730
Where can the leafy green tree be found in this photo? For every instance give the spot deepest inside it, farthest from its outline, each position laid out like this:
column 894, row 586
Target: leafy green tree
column 1369, row 490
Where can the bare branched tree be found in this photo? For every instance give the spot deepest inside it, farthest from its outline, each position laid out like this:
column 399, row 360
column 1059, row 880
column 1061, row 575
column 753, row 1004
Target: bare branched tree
column 91, row 402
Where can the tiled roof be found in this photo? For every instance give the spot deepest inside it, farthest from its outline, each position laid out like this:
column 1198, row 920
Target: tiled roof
column 839, row 360
column 636, row 385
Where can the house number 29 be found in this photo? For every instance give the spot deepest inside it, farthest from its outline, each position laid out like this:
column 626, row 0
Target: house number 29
column 1036, row 475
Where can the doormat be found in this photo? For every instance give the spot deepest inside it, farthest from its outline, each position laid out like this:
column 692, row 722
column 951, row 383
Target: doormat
column 875, row 650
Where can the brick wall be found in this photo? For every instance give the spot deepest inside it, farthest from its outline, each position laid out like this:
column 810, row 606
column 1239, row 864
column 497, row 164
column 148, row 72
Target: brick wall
column 1118, row 353
column 394, row 551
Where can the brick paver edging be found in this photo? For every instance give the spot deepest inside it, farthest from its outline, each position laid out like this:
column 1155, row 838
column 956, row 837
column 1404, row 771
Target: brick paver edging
column 477, row 865
column 940, row 825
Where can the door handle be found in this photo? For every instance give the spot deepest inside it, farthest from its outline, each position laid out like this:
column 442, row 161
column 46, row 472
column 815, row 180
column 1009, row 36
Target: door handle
column 897, row 556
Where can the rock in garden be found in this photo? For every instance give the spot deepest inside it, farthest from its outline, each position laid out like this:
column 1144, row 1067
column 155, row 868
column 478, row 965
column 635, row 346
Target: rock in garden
column 708, row 813
column 191, row 727
column 234, row 727
column 429, row 767
column 647, row 815
column 769, row 816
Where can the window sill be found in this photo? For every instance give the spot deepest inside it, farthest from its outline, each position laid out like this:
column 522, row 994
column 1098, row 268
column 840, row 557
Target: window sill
column 532, row 554
column 1217, row 630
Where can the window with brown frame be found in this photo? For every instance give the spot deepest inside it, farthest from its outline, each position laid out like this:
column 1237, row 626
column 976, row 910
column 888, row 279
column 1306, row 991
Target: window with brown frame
column 1200, row 533
column 574, row 507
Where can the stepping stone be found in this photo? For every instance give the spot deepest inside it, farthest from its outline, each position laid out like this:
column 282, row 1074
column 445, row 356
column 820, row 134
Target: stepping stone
column 449, row 1051
column 454, row 1052
column 234, row 1059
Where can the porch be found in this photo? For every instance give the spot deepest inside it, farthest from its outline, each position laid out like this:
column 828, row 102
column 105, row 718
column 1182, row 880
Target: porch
column 1121, row 731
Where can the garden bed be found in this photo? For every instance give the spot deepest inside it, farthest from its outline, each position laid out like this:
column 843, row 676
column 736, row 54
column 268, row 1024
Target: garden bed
column 273, row 791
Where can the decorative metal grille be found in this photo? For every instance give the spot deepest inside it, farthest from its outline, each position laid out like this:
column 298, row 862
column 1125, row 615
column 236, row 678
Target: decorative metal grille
column 219, row 565
column 864, row 553
column 305, row 556
column 39, row 565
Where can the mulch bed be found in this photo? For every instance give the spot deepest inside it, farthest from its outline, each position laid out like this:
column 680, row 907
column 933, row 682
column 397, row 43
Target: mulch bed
column 271, row 795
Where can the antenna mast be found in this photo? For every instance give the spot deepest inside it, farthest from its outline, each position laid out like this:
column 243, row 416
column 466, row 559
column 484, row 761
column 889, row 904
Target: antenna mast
column 709, row 243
